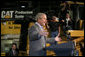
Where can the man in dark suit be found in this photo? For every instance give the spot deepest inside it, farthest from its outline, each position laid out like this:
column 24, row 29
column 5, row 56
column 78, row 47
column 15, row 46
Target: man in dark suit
column 68, row 23
column 37, row 36
column 13, row 51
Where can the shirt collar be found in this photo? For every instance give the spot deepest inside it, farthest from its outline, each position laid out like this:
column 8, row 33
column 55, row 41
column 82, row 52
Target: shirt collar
column 41, row 27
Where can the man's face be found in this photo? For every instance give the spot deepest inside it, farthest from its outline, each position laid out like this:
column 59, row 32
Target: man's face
column 14, row 47
column 67, row 15
column 43, row 20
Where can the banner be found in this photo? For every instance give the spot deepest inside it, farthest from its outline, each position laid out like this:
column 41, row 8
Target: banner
column 15, row 14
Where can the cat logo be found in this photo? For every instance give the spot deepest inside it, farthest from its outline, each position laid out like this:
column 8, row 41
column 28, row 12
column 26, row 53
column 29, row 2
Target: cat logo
column 7, row 14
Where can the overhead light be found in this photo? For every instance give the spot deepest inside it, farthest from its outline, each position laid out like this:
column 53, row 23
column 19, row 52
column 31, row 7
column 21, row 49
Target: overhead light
column 22, row 6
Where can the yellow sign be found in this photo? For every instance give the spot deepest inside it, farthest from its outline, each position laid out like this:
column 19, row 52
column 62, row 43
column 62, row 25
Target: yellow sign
column 10, row 28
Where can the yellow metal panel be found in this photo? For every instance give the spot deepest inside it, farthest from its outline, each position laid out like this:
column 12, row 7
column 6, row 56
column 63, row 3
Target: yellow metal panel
column 81, row 23
column 78, row 39
column 10, row 28
column 3, row 54
column 76, row 33
column 50, row 53
column 71, row 2
column 31, row 24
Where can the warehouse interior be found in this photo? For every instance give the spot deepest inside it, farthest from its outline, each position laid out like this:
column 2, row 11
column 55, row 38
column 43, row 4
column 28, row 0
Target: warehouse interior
column 18, row 16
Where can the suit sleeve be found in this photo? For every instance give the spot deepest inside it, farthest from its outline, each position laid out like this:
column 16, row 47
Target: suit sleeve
column 50, row 40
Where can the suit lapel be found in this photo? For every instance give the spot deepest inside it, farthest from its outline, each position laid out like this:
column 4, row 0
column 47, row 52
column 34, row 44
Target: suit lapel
column 37, row 27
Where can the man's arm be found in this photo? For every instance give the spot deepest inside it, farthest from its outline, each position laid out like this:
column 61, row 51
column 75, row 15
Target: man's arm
column 52, row 40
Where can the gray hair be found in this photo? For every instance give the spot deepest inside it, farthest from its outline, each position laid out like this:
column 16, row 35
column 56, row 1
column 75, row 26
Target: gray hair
column 39, row 16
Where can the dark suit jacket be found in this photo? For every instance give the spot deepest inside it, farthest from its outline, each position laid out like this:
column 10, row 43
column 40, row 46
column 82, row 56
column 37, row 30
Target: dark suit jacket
column 37, row 42
column 70, row 24
column 10, row 53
